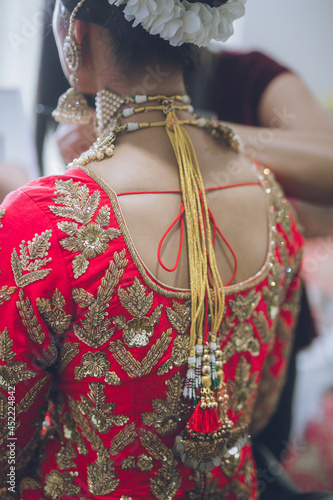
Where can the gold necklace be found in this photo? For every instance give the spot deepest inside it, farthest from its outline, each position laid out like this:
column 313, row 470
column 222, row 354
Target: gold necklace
column 110, row 108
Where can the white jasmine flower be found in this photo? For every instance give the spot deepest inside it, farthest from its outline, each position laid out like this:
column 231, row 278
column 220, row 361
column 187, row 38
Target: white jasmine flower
column 184, row 22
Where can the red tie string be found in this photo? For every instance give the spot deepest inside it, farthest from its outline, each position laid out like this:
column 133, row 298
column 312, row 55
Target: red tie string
column 180, row 217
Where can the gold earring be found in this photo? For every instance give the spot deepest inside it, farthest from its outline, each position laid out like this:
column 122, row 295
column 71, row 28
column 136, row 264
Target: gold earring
column 72, row 105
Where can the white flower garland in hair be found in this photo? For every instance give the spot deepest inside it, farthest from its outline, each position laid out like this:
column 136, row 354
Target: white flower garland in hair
column 183, row 22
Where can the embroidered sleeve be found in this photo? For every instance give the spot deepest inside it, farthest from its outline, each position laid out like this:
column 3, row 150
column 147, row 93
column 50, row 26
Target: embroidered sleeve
column 274, row 372
column 275, row 368
column 35, row 312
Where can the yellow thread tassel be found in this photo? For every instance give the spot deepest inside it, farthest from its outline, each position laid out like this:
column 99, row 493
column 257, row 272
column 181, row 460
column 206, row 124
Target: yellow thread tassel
column 198, row 234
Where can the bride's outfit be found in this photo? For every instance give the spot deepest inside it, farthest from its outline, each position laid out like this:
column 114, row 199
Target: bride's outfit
column 87, row 330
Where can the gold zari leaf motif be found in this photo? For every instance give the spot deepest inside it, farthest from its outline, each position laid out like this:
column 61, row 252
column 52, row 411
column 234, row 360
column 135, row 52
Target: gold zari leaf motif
column 137, row 331
column 123, row 439
column 244, row 386
column 68, row 352
column 101, row 475
column 6, row 294
column 179, row 316
column 206, row 488
column 92, row 238
column 244, row 339
column 65, row 457
column 87, row 432
column 33, row 256
column 2, row 213
column 244, row 305
column 100, row 413
column 29, row 319
column 132, row 366
column 178, row 356
column 30, row 396
column 95, row 328
column 165, row 484
column 168, row 413
column 15, row 371
column 71, row 432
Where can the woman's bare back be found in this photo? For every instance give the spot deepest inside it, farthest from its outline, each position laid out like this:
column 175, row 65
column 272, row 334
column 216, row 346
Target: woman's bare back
column 145, row 161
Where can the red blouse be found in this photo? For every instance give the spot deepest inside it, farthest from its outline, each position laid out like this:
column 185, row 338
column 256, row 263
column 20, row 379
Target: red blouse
column 89, row 335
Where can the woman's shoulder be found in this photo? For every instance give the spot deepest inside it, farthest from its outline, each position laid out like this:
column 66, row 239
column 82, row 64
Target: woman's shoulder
column 40, row 192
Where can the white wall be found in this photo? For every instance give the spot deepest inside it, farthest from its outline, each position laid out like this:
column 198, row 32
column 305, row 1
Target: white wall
column 297, row 32
column 20, row 32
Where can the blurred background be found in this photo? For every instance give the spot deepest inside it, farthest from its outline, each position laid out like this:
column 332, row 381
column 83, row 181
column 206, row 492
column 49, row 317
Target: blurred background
column 299, row 35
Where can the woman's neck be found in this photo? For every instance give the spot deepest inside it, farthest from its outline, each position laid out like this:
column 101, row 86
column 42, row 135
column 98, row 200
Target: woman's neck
column 155, row 79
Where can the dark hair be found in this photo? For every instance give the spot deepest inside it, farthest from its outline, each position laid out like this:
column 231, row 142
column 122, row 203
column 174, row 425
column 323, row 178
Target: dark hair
column 133, row 47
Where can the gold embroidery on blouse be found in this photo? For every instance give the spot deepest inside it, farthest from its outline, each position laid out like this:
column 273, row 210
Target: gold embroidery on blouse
column 128, row 463
column 123, row 439
column 29, row 319
column 168, row 413
column 244, row 386
column 6, row 294
column 15, row 371
column 87, row 432
column 2, row 213
column 111, row 378
column 165, row 484
column 244, row 339
column 68, row 351
column 244, row 305
column 100, row 413
column 96, row 365
column 33, row 256
column 31, row 395
column 92, row 238
column 179, row 316
column 72, row 433
column 65, row 457
column 274, row 293
column 132, row 366
column 243, row 488
column 53, row 312
column 270, row 385
column 145, row 463
column 230, row 465
column 29, row 483
column 228, row 350
column 178, row 356
column 227, row 325
column 137, row 331
column 95, row 328
column 206, row 488
column 101, row 475
column 58, row 484
column 262, row 325
column 280, row 203
column 49, row 357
